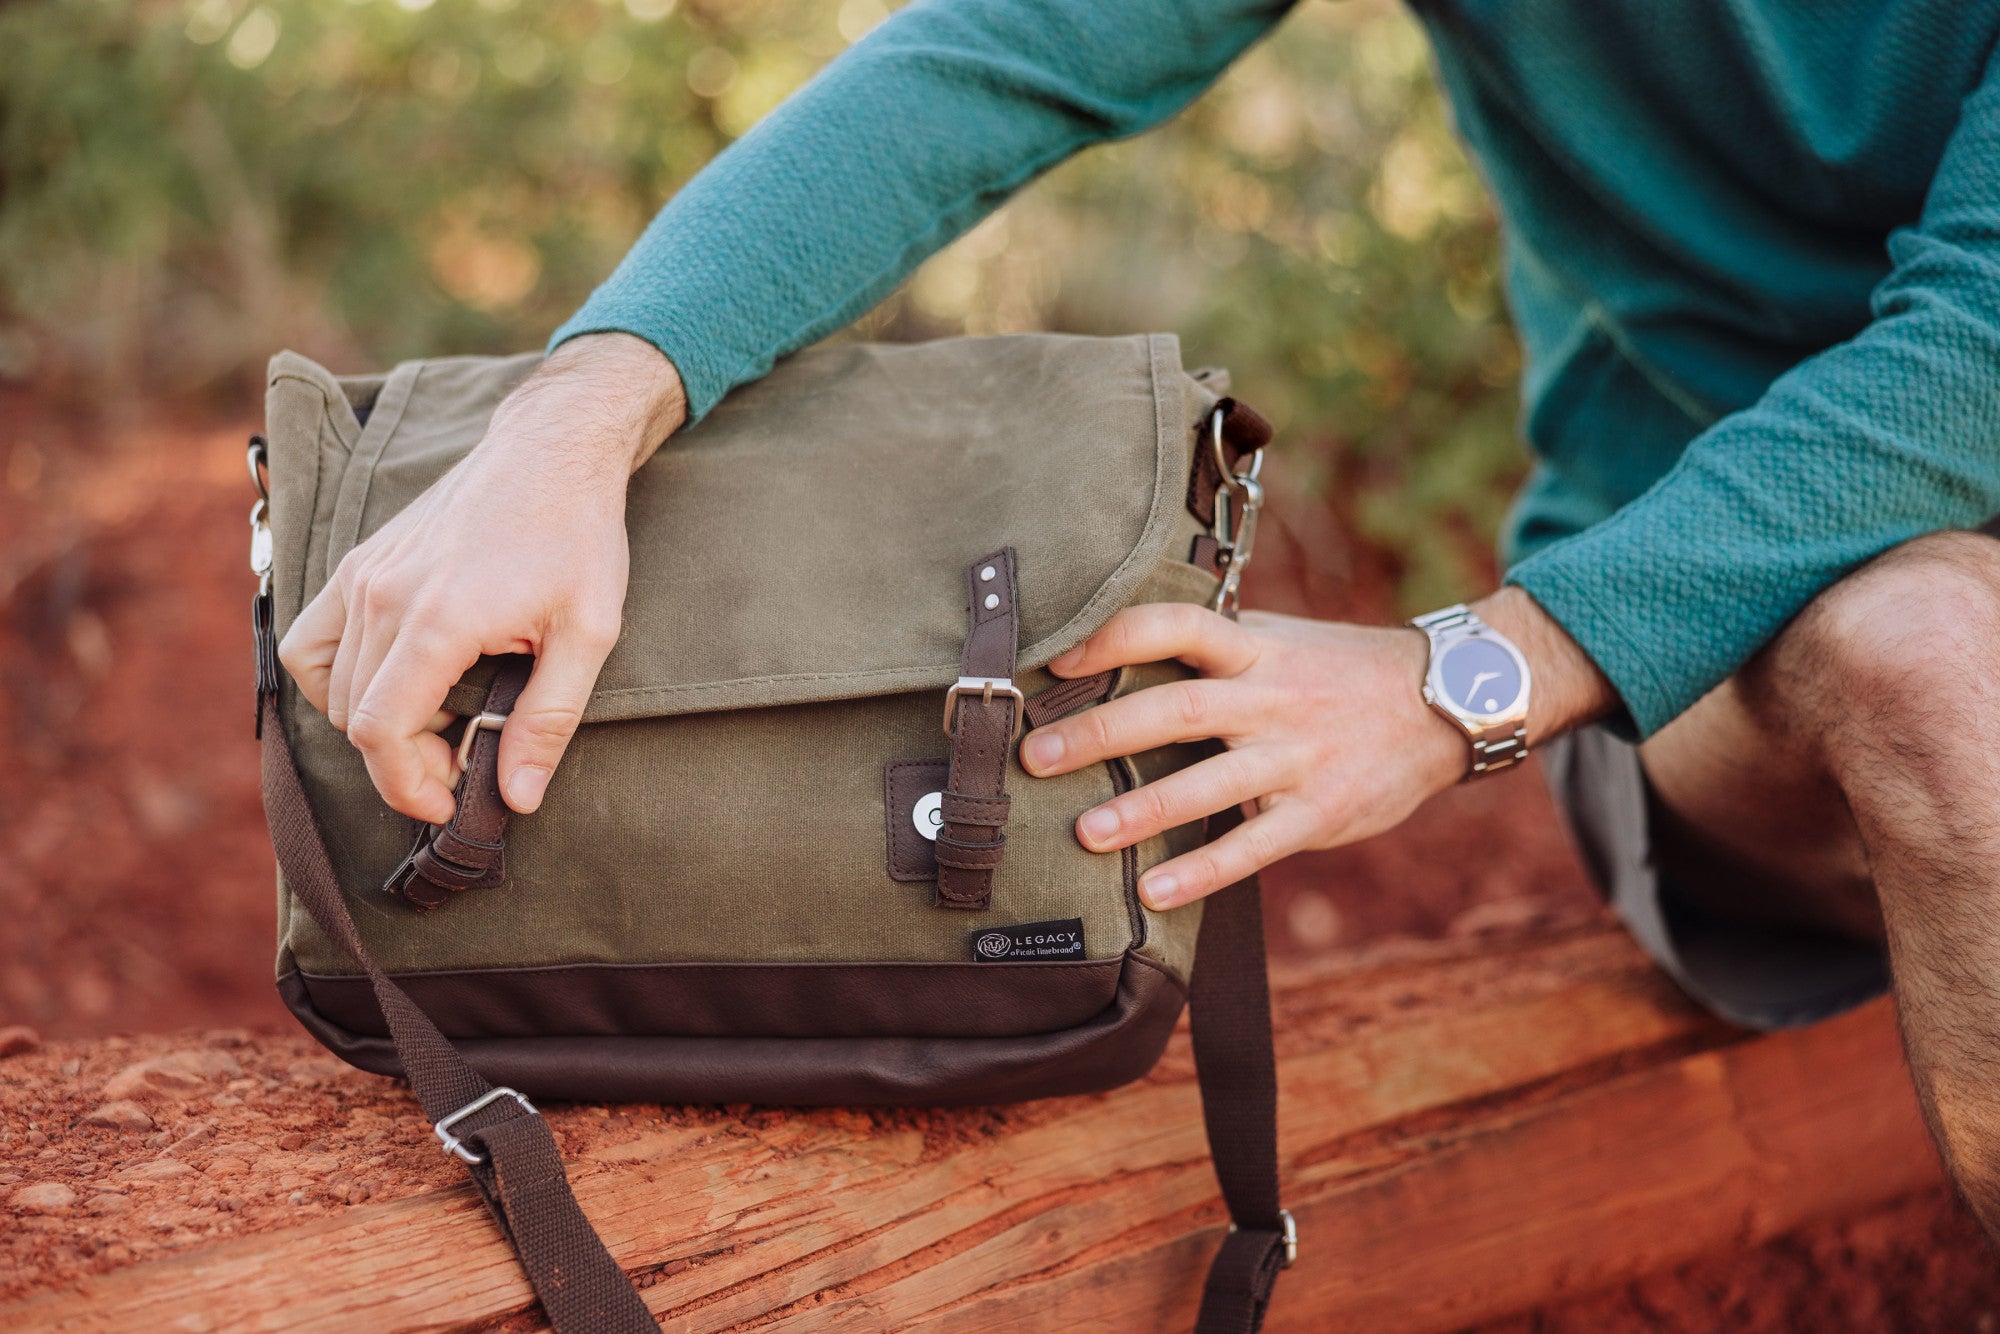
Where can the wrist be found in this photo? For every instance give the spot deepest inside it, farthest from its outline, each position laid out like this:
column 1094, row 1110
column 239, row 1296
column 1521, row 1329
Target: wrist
column 612, row 398
column 1568, row 688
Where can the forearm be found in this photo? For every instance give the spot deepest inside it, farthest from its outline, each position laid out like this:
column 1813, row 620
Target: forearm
column 623, row 396
column 1568, row 688
column 895, row 149
column 1854, row 451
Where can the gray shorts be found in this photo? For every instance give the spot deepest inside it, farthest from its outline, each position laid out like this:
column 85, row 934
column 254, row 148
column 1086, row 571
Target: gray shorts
column 1752, row 973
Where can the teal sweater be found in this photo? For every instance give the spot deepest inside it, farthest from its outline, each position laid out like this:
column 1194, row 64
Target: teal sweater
column 1753, row 247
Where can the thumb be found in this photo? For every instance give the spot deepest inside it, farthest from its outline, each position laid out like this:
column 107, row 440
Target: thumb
column 546, row 716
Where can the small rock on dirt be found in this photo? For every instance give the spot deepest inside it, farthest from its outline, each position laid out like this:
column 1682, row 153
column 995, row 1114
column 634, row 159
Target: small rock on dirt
column 44, row 1197
column 160, row 1169
column 175, row 1072
column 122, row 1115
column 107, row 1204
column 18, row 1040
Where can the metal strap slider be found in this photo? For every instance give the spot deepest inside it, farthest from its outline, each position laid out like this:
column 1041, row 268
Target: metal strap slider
column 453, row 1144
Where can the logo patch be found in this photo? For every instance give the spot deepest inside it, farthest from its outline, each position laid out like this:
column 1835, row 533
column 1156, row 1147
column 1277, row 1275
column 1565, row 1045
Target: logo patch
column 1031, row 940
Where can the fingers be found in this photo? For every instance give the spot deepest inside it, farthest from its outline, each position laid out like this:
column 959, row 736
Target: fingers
column 1179, row 798
column 1158, row 716
column 390, row 724
column 1250, row 847
column 309, row 646
column 547, row 714
column 1207, row 641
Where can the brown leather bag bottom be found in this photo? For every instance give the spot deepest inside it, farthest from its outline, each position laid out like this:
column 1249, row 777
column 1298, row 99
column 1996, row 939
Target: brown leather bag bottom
column 1115, row 1046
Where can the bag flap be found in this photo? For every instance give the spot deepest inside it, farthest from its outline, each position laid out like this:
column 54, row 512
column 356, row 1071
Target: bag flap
column 808, row 540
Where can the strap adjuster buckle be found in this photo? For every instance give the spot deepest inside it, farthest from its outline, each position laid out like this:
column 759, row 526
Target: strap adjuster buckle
column 496, row 721
column 453, row 1144
column 985, row 687
column 1290, row 1236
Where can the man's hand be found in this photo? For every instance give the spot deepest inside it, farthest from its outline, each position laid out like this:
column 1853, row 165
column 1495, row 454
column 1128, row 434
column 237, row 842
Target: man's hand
column 519, row 549
column 1325, row 727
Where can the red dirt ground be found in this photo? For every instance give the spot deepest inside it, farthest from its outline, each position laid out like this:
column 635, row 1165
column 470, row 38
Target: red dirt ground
column 136, row 879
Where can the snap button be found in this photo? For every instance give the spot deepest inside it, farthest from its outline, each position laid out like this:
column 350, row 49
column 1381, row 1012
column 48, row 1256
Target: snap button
column 986, row 575
column 992, row 601
column 928, row 814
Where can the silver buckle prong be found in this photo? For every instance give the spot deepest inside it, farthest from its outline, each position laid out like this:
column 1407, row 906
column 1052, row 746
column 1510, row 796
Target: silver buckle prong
column 986, row 687
column 453, row 1144
column 496, row 721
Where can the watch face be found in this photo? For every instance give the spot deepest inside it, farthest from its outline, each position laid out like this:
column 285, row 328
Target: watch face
column 1480, row 677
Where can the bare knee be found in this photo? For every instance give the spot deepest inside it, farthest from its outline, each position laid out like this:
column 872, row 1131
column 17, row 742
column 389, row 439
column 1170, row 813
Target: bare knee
column 1902, row 653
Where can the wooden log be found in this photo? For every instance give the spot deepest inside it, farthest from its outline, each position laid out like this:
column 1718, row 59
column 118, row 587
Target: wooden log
column 1463, row 1136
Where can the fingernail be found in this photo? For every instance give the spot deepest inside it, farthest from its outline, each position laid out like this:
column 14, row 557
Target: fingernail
column 1068, row 661
column 1041, row 750
column 525, row 788
column 1099, row 825
column 1158, row 891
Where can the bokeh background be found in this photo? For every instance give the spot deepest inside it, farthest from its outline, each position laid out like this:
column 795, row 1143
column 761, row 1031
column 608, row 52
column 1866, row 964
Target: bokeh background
column 188, row 185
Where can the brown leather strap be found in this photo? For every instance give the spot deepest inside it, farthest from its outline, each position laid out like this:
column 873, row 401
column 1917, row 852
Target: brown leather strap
column 1244, row 431
column 974, row 805
column 469, row 850
column 520, row 1175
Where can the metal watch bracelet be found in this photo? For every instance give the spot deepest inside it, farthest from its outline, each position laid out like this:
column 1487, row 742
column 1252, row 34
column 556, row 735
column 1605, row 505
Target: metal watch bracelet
column 1492, row 751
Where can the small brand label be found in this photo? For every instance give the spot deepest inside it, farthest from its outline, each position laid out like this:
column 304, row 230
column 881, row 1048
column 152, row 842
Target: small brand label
column 1031, row 940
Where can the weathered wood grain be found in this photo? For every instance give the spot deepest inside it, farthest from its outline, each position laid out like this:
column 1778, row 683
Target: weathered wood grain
column 1461, row 1137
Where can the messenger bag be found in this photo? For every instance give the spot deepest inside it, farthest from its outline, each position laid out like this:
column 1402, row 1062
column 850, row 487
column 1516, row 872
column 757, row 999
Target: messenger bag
column 790, row 857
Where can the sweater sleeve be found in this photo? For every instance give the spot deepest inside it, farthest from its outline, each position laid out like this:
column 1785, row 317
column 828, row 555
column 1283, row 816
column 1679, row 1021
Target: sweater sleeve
column 897, row 147
column 1887, row 436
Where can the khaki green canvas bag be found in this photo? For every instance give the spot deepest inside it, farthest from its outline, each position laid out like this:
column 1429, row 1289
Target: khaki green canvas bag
column 790, row 856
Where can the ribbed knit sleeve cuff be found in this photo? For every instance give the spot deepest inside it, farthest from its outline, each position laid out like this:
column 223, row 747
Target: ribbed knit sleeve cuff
column 1566, row 581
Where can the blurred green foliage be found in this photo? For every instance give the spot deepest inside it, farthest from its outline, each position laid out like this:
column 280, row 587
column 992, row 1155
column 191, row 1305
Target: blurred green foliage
column 186, row 185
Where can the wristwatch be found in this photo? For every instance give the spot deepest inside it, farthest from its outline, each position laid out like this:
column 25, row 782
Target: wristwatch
column 1479, row 680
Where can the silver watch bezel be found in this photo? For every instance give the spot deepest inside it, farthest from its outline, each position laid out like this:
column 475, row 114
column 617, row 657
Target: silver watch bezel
column 1435, row 695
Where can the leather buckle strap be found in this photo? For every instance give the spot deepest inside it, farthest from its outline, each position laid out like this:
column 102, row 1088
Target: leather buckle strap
column 469, row 850
column 983, row 714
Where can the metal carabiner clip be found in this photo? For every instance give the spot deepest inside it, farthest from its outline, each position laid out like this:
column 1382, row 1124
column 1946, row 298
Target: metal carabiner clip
column 1234, row 539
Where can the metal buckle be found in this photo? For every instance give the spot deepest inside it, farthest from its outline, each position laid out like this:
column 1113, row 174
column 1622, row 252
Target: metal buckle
column 985, row 687
column 453, row 1144
column 472, row 725
column 260, row 528
column 1290, row 1236
column 1233, row 546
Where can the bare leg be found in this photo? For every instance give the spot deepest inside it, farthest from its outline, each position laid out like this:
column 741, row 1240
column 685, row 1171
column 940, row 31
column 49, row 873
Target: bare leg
column 1853, row 768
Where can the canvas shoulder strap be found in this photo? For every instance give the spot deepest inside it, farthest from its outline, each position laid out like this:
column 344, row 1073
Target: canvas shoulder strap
column 1236, row 1064
column 507, row 1147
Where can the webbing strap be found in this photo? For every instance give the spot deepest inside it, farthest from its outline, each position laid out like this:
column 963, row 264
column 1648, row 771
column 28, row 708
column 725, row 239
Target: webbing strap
column 520, row 1175
column 1230, row 1022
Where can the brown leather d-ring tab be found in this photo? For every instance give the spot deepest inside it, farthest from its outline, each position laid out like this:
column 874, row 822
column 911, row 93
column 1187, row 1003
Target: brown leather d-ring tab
column 1244, row 431
column 468, row 851
column 983, row 718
